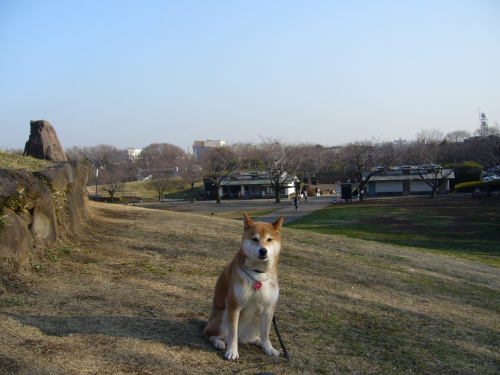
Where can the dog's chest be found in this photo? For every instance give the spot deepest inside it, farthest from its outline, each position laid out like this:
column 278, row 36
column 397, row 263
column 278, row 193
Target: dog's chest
column 248, row 294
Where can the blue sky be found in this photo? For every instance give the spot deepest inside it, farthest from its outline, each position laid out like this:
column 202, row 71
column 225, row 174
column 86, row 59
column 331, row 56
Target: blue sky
column 130, row 73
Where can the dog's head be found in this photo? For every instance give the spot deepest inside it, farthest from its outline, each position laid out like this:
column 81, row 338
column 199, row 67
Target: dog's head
column 261, row 242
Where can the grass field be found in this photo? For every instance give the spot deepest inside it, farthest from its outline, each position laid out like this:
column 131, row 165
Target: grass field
column 131, row 291
column 177, row 190
column 458, row 226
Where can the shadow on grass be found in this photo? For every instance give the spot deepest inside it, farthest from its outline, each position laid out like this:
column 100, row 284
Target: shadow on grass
column 179, row 333
column 458, row 225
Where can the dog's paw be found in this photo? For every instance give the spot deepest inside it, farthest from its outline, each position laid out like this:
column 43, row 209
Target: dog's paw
column 219, row 345
column 231, row 355
column 272, row 352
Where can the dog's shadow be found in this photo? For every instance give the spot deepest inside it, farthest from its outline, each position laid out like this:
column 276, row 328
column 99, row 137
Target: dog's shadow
column 185, row 333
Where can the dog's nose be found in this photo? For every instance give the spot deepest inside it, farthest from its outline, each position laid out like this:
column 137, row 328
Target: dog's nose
column 263, row 251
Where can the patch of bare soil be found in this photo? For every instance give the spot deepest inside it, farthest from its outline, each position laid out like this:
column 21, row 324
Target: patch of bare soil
column 130, row 294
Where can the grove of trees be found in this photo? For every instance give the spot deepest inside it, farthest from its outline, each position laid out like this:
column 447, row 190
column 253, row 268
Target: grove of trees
column 459, row 151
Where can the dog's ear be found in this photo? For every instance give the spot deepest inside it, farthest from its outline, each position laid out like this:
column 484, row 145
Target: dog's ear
column 247, row 220
column 278, row 223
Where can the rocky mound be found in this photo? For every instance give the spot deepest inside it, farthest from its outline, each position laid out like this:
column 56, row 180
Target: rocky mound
column 37, row 208
column 43, row 142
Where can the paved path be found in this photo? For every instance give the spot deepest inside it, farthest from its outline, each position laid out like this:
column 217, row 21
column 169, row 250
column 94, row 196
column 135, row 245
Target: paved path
column 287, row 210
column 304, row 208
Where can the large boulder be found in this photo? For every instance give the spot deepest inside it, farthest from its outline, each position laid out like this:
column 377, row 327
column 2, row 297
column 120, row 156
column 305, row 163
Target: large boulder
column 16, row 243
column 7, row 186
column 35, row 197
column 68, row 181
column 43, row 142
column 41, row 206
column 36, row 209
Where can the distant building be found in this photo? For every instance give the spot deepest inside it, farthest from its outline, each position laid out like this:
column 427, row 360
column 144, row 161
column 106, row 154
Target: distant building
column 256, row 185
column 132, row 153
column 400, row 142
column 199, row 147
column 479, row 138
column 407, row 180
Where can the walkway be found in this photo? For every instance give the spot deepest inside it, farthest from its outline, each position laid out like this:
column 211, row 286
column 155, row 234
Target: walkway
column 288, row 210
column 304, row 208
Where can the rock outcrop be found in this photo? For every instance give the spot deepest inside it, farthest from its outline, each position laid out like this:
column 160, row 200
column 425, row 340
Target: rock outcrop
column 43, row 142
column 38, row 208
column 7, row 187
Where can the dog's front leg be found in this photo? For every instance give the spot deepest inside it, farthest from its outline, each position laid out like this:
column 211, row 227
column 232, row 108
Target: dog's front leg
column 233, row 315
column 265, row 326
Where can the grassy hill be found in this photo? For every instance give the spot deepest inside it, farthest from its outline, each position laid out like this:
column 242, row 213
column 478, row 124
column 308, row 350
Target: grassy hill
column 9, row 160
column 130, row 294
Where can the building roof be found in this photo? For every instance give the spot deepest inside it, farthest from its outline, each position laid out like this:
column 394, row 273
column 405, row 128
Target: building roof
column 256, row 178
column 413, row 175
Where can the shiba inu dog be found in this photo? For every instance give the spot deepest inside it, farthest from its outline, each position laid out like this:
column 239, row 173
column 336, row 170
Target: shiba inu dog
column 246, row 292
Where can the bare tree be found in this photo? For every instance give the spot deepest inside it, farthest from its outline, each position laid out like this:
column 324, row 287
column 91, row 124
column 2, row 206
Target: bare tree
column 75, row 152
column 487, row 131
column 160, row 156
column 193, row 172
column 431, row 156
column 430, row 136
column 495, row 150
column 161, row 182
column 365, row 159
column 105, row 156
column 279, row 159
column 130, row 168
column 218, row 164
column 106, row 159
column 486, row 146
column 313, row 161
column 249, row 155
column 457, row 136
column 111, row 180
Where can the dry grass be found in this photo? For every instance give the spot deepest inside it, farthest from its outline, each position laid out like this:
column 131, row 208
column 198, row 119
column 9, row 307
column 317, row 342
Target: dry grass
column 130, row 294
column 9, row 160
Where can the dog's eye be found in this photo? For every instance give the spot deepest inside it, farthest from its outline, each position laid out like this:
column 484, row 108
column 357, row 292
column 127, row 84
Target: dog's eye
column 269, row 240
column 255, row 239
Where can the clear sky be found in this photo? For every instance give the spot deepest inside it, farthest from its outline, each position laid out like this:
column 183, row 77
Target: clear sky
column 130, row 73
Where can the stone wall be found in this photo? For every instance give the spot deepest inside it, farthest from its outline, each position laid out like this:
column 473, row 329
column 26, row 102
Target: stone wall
column 38, row 208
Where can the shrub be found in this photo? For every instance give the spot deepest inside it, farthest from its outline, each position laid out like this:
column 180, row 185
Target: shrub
column 467, row 171
column 105, row 199
column 468, row 187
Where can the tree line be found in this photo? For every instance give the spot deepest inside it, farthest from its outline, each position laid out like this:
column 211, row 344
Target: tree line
column 431, row 153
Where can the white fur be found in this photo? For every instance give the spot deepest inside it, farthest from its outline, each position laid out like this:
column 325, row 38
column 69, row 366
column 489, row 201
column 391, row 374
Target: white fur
column 246, row 315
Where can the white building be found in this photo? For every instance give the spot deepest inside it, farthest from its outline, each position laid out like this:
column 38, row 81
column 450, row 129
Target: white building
column 256, row 185
column 201, row 146
column 408, row 181
column 133, row 153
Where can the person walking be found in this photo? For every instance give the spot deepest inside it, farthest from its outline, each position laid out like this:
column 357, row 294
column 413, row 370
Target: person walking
column 295, row 202
column 305, row 195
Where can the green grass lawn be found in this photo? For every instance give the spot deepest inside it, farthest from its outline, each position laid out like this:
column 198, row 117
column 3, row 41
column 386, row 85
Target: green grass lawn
column 461, row 226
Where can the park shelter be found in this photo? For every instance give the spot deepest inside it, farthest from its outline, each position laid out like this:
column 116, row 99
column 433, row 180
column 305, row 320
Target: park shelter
column 256, row 185
column 408, row 180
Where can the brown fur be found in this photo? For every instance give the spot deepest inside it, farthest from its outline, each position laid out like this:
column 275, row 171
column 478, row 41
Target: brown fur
column 241, row 313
